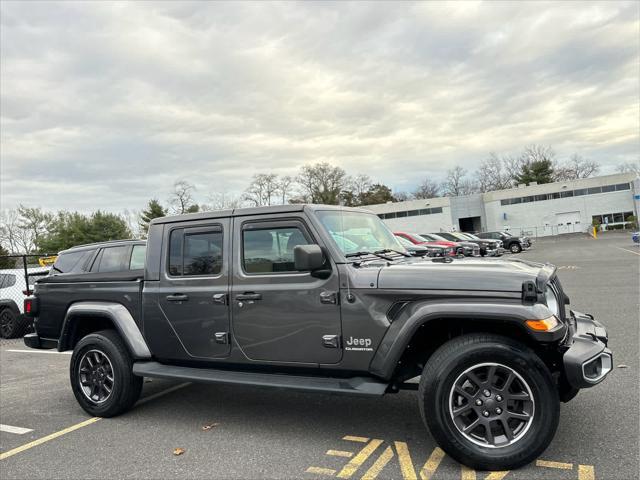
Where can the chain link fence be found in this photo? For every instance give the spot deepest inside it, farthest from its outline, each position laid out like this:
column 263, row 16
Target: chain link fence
column 18, row 274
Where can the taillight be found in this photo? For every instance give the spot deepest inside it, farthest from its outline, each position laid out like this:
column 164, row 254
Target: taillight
column 31, row 306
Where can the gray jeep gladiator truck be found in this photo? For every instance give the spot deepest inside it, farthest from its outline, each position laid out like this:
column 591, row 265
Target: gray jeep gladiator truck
column 324, row 299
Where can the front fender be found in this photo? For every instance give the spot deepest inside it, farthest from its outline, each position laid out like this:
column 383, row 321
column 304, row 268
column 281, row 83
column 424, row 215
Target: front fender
column 425, row 313
column 118, row 314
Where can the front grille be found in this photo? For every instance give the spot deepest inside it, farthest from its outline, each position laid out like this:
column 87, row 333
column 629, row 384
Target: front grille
column 557, row 288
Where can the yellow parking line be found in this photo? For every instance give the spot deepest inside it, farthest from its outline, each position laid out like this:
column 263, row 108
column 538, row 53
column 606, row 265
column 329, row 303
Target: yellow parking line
column 355, row 463
column 560, row 465
column 42, row 440
column 339, row 453
column 77, row 426
column 586, row 472
column 379, row 464
column 321, row 471
column 432, row 464
column 351, row 438
column 406, row 465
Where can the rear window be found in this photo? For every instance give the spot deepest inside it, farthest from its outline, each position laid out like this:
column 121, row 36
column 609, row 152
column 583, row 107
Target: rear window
column 71, row 261
column 7, row 280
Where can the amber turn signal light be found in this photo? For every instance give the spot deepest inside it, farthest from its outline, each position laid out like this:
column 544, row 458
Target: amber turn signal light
column 543, row 325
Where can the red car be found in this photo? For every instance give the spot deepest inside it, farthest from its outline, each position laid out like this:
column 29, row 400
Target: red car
column 451, row 248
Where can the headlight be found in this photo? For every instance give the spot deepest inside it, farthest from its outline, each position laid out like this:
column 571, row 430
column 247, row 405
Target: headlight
column 552, row 301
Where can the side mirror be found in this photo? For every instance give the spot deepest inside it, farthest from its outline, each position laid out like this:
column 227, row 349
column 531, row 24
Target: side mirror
column 307, row 258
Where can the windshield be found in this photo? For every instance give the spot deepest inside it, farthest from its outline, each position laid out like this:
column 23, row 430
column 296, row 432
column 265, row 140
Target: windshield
column 404, row 242
column 358, row 232
column 459, row 236
column 434, row 237
column 471, row 236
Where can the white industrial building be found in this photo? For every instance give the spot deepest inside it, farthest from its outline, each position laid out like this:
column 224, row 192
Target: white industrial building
column 534, row 210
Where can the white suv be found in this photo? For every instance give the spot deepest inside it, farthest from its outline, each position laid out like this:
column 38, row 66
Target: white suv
column 13, row 290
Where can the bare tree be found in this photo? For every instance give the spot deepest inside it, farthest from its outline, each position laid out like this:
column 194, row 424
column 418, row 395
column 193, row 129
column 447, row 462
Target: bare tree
column 576, row 167
column 537, row 153
column 427, row 189
column 321, row 183
column 222, row 201
column 182, row 197
column 456, row 184
column 262, row 190
column 284, row 187
column 629, row 167
column 402, row 196
column 23, row 228
column 494, row 173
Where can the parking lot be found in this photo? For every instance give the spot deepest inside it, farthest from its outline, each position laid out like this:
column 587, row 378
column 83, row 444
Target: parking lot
column 242, row 432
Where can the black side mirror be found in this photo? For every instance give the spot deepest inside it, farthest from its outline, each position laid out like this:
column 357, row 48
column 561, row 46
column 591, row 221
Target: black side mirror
column 307, row 258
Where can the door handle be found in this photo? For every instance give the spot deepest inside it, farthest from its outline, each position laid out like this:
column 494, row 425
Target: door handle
column 178, row 297
column 249, row 296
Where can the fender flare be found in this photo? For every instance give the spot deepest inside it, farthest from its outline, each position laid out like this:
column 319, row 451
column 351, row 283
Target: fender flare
column 121, row 318
column 422, row 313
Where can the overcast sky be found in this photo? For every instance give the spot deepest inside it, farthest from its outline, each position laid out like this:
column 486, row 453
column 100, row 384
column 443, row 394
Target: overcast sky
column 104, row 105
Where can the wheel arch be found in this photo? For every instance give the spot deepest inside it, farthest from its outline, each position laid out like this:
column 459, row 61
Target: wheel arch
column 83, row 318
column 414, row 336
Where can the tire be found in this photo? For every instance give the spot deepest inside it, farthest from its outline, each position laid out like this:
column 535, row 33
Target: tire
column 437, row 397
column 103, row 357
column 515, row 247
column 9, row 327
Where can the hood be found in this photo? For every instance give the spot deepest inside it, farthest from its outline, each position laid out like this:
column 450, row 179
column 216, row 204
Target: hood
column 465, row 274
column 442, row 243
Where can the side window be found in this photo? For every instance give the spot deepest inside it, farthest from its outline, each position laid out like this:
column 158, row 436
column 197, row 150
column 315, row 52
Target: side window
column 270, row 250
column 138, row 254
column 113, row 259
column 7, row 280
column 195, row 252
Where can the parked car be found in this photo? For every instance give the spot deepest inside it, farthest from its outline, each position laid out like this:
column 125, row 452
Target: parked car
column 469, row 249
column 635, row 236
column 422, row 250
column 451, row 248
column 13, row 291
column 273, row 297
column 490, row 248
column 114, row 256
column 510, row 242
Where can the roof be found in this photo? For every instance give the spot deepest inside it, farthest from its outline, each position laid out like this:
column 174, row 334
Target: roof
column 105, row 243
column 241, row 212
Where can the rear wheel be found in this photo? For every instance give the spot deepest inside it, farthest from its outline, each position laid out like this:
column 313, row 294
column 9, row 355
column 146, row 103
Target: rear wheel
column 489, row 401
column 101, row 375
column 8, row 323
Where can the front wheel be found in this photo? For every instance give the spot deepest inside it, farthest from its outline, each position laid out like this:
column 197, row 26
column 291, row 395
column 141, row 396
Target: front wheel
column 489, row 401
column 101, row 375
column 8, row 323
column 515, row 248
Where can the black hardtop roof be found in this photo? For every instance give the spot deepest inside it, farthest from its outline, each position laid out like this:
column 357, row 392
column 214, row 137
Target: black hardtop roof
column 240, row 212
column 87, row 246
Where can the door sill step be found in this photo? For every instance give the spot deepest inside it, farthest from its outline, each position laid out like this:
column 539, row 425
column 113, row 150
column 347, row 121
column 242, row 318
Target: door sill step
column 352, row 386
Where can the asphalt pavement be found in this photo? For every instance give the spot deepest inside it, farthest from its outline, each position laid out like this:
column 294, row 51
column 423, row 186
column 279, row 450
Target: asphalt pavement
column 249, row 433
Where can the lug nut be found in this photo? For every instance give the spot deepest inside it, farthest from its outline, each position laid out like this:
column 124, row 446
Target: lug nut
column 485, row 413
column 486, row 393
column 499, row 398
column 498, row 410
column 478, row 402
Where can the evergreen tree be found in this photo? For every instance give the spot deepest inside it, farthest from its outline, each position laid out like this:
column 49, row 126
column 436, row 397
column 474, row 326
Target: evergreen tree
column 153, row 210
column 540, row 171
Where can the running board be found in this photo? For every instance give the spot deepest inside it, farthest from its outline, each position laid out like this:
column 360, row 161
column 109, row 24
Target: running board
column 353, row 386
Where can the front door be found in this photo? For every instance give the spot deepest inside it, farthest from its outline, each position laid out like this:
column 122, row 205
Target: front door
column 193, row 289
column 280, row 314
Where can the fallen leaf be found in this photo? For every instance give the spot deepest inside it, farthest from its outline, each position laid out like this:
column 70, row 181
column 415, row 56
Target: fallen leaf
column 178, row 451
column 209, row 427
column 623, row 366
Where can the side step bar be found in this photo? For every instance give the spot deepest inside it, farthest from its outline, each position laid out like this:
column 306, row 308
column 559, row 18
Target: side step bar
column 354, row 385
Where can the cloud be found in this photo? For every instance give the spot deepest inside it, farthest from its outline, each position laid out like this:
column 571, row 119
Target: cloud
column 104, row 105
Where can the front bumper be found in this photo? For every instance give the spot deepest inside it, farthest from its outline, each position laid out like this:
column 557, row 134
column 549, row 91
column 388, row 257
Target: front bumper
column 587, row 360
column 496, row 252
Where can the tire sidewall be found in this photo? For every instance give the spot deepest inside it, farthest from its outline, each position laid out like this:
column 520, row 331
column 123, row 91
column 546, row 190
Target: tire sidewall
column 14, row 322
column 119, row 365
column 515, row 248
column 436, row 407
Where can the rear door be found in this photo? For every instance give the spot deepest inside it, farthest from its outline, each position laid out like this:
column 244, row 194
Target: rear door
column 193, row 287
column 280, row 314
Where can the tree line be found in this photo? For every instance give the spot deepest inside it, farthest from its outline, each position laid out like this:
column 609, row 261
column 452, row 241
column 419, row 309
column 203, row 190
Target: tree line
column 34, row 230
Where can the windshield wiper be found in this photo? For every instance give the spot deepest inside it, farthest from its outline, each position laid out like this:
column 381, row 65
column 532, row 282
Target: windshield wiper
column 362, row 254
column 391, row 250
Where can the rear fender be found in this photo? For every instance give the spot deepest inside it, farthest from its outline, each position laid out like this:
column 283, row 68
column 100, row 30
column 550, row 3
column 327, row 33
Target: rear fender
column 117, row 314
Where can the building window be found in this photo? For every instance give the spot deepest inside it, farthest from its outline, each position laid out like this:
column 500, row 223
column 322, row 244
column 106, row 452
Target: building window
column 566, row 194
column 623, row 186
column 413, row 213
column 608, row 188
column 594, row 190
column 436, row 210
column 579, row 192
